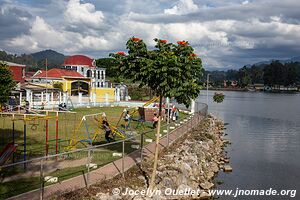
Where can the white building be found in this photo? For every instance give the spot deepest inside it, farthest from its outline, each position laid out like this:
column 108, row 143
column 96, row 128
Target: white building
column 87, row 67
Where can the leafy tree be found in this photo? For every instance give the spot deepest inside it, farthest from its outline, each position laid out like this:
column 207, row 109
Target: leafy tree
column 218, row 97
column 274, row 74
column 244, row 78
column 290, row 74
column 170, row 70
column 6, row 82
column 268, row 75
column 256, row 74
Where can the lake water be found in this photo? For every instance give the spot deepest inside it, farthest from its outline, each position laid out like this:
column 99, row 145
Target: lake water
column 264, row 129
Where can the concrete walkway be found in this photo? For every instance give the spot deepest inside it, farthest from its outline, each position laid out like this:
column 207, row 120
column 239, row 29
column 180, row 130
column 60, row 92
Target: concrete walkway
column 112, row 169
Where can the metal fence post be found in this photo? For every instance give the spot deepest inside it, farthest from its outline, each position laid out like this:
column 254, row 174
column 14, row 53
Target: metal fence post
column 123, row 156
column 88, row 168
column 142, row 144
column 41, row 180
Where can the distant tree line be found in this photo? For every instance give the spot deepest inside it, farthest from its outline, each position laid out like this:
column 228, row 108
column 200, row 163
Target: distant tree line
column 20, row 59
column 273, row 75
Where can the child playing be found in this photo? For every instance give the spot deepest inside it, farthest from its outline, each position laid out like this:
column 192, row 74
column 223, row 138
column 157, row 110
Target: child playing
column 155, row 121
column 107, row 131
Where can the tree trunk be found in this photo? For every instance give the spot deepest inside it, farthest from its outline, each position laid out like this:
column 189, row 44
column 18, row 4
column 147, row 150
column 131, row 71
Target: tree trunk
column 152, row 181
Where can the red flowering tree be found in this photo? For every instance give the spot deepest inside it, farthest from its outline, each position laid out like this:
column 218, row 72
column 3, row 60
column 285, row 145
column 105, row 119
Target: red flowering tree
column 170, row 70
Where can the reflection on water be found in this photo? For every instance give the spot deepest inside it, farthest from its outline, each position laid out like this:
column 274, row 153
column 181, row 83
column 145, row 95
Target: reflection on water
column 265, row 133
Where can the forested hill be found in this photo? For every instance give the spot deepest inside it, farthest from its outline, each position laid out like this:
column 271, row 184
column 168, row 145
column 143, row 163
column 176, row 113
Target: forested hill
column 272, row 74
column 54, row 58
column 36, row 60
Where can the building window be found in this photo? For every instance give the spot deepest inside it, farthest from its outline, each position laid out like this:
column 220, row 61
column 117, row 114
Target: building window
column 89, row 73
column 101, row 84
column 98, row 74
column 82, row 69
column 102, row 75
column 95, row 74
column 98, row 84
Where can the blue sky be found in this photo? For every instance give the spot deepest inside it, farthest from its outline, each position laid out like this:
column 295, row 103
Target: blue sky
column 225, row 34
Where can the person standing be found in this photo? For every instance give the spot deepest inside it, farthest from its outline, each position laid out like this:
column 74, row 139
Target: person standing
column 155, row 121
column 127, row 119
column 107, row 129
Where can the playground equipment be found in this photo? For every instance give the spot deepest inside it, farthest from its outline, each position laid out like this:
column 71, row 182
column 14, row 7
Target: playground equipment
column 7, row 152
column 22, row 123
column 10, row 148
column 88, row 130
column 57, row 140
column 132, row 111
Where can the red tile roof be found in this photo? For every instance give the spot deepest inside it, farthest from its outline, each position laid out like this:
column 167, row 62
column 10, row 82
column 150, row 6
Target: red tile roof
column 58, row 73
column 79, row 60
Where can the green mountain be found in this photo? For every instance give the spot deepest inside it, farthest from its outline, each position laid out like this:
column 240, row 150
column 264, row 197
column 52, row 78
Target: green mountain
column 54, row 59
column 35, row 61
column 294, row 59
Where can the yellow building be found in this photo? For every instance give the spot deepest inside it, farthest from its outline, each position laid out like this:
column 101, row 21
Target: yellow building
column 74, row 84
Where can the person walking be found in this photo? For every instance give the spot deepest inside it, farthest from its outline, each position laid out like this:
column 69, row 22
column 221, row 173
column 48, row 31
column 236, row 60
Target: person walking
column 107, row 129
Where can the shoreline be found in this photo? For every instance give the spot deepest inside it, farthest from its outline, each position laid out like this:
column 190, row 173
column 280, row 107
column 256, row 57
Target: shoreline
column 191, row 163
column 254, row 91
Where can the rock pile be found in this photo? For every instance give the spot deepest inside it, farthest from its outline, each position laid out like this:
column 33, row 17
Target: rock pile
column 195, row 162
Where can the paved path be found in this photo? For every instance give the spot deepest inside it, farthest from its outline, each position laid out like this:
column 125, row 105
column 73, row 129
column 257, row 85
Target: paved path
column 112, row 169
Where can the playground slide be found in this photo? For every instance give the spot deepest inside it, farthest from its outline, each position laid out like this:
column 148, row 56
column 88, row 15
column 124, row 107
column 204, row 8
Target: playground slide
column 7, row 152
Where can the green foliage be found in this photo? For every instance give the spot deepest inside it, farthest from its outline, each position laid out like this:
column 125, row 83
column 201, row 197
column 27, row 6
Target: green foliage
column 277, row 74
column 58, row 85
column 109, row 64
column 170, row 70
column 139, row 93
column 218, row 97
column 274, row 74
column 6, row 82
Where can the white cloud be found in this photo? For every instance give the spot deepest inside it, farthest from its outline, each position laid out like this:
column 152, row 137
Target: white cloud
column 245, row 2
column 83, row 14
column 42, row 36
column 182, row 7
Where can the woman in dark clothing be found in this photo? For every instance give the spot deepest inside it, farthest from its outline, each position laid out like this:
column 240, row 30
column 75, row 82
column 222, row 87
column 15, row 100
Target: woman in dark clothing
column 107, row 131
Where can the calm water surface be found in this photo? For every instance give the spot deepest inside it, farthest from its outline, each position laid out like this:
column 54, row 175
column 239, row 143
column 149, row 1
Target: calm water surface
column 264, row 130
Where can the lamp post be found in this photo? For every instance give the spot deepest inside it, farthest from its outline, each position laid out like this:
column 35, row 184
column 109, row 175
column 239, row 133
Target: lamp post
column 207, row 82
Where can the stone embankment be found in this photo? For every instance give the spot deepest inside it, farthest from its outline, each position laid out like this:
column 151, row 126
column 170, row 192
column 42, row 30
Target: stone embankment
column 189, row 164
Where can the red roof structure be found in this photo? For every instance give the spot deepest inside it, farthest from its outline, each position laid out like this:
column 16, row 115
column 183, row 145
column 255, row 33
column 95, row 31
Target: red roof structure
column 79, row 60
column 58, row 73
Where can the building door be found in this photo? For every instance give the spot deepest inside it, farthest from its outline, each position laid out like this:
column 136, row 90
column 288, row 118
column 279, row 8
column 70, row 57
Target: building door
column 79, row 86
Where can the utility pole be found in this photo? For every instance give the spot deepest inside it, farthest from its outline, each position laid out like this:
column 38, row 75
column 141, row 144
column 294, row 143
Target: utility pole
column 46, row 77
